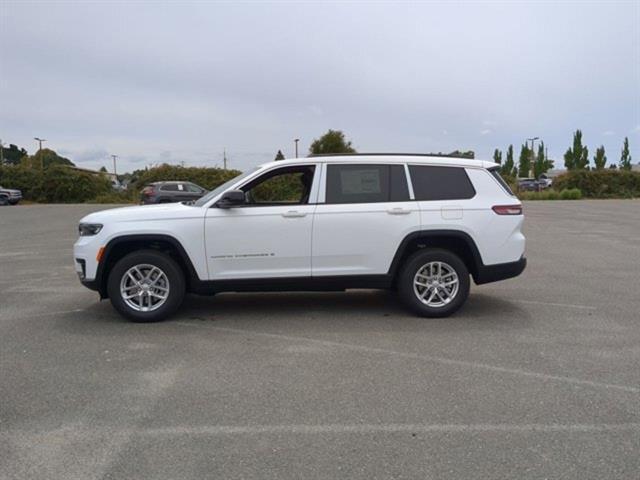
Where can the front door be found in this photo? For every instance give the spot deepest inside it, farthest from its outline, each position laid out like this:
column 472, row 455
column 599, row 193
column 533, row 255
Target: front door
column 269, row 236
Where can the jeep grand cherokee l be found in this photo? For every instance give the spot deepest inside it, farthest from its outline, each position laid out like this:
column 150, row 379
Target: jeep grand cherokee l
column 421, row 225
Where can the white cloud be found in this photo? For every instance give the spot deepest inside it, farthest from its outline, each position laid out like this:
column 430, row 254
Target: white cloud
column 608, row 133
column 486, row 131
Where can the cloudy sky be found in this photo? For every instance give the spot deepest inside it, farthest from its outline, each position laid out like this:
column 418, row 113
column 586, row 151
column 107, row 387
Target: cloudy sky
column 173, row 81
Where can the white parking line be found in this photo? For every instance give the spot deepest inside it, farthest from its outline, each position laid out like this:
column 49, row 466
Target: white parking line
column 551, row 304
column 433, row 359
column 215, row 430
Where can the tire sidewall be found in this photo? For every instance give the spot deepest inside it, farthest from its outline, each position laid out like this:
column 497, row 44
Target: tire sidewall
column 417, row 261
column 174, row 274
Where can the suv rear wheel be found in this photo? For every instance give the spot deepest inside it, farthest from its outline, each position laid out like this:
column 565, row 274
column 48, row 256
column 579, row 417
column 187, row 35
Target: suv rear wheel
column 146, row 286
column 434, row 283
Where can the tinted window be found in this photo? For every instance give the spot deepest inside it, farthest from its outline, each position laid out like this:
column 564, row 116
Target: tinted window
column 284, row 186
column 192, row 188
column 440, row 183
column 170, row 187
column 366, row 184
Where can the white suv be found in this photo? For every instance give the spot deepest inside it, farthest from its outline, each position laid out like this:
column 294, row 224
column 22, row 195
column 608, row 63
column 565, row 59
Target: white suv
column 418, row 224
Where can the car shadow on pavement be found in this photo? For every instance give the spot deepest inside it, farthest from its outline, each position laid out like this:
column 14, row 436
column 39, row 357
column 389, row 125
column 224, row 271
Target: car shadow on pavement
column 343, row 310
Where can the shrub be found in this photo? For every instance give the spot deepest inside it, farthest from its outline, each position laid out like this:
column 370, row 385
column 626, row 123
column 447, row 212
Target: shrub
column 56, row 184
column 572, row 194
column 601, row 183
column 125, row 197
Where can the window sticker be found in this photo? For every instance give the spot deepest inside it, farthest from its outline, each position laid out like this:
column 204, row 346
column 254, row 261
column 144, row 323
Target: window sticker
column 354, row 182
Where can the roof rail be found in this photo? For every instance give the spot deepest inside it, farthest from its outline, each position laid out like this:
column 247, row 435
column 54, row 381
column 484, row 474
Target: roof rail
column 379, row 154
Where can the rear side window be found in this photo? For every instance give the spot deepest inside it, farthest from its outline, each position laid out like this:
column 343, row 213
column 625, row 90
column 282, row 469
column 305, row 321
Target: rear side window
column 440, row 183
column 170, row 187
column 496, row 174
column 366, row 184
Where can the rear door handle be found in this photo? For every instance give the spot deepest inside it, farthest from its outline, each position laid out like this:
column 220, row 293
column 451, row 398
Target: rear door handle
column 398, row 211
column 294, row 214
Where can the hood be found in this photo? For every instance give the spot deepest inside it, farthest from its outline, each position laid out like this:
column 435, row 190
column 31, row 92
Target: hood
column 10, row 190
column 163, row 211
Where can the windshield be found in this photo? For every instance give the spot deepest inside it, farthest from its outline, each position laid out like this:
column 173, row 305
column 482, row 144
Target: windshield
column 217, row 191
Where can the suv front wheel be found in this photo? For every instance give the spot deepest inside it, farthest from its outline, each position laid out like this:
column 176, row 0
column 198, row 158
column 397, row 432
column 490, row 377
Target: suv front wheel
column 434, row 283
column 146, row 286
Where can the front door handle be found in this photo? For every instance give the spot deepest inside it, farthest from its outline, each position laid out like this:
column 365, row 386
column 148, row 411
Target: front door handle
column 398, row 211
column 294, row 214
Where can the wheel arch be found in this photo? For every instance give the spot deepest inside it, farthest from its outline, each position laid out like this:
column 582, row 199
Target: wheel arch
column 118, row 247
column 455, row 241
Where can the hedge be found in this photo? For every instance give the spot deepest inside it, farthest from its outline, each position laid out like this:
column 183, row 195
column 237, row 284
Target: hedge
column 600, row 183
column 56, row 184
column 208, row 178
column 566, row 194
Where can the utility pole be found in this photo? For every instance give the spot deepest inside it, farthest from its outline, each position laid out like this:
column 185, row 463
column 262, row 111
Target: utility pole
column 296, row 142
column 39, row 140
column 224, row 158
column 114, row 165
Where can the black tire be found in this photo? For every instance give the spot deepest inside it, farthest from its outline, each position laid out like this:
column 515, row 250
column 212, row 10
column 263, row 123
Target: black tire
column 4, row 200
column 167, row 265
column 415, row 263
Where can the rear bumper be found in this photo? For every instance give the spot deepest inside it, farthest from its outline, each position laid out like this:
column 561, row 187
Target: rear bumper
column 500, row 271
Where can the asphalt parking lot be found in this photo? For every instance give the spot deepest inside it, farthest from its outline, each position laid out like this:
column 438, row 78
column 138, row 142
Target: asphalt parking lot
column 536, row 377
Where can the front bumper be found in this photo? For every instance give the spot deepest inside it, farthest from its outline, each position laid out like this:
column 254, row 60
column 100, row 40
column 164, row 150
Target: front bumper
column 500, row 271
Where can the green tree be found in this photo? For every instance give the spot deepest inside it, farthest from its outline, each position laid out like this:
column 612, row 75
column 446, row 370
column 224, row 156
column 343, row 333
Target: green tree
column 331, row 142
column 279, row 156
column 13, row 154
column 524, row 163
column 541, row 164
column 600, row 159
column 103, row 169
column 625, row 157
column 497, row 156
column 45, row 158
column 577, row 158
column 508, row 168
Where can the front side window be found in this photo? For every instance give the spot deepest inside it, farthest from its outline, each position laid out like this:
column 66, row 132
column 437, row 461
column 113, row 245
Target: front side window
column 364, row 183
column 283, row 186
column 440, row 183
column 192, row 188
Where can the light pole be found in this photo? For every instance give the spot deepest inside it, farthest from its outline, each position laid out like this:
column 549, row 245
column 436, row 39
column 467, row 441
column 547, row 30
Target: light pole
column 532, row 151
column 39, row 140
column 114, row 165
column 296, row 143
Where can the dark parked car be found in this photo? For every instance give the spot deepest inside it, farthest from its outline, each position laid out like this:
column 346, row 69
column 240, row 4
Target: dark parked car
column 529, row 185
column 12, row 196
column 171, row 192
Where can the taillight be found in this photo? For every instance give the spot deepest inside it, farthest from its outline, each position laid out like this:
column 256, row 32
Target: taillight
column 507, row 209
column 148, row 191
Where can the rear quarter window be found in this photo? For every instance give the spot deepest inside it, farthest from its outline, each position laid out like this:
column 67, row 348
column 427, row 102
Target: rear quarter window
column 496, row 174
column 440, row 183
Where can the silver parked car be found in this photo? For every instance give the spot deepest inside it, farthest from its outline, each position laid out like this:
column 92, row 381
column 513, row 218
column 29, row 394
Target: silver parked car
column 9, row 196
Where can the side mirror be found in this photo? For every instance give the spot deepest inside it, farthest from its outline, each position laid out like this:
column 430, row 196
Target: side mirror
column 232, row 198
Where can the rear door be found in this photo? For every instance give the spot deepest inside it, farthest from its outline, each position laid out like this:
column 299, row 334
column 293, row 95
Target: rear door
column 364, row 212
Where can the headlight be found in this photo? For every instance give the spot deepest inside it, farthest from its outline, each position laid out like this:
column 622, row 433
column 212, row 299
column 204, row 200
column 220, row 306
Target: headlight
column 88, row 229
